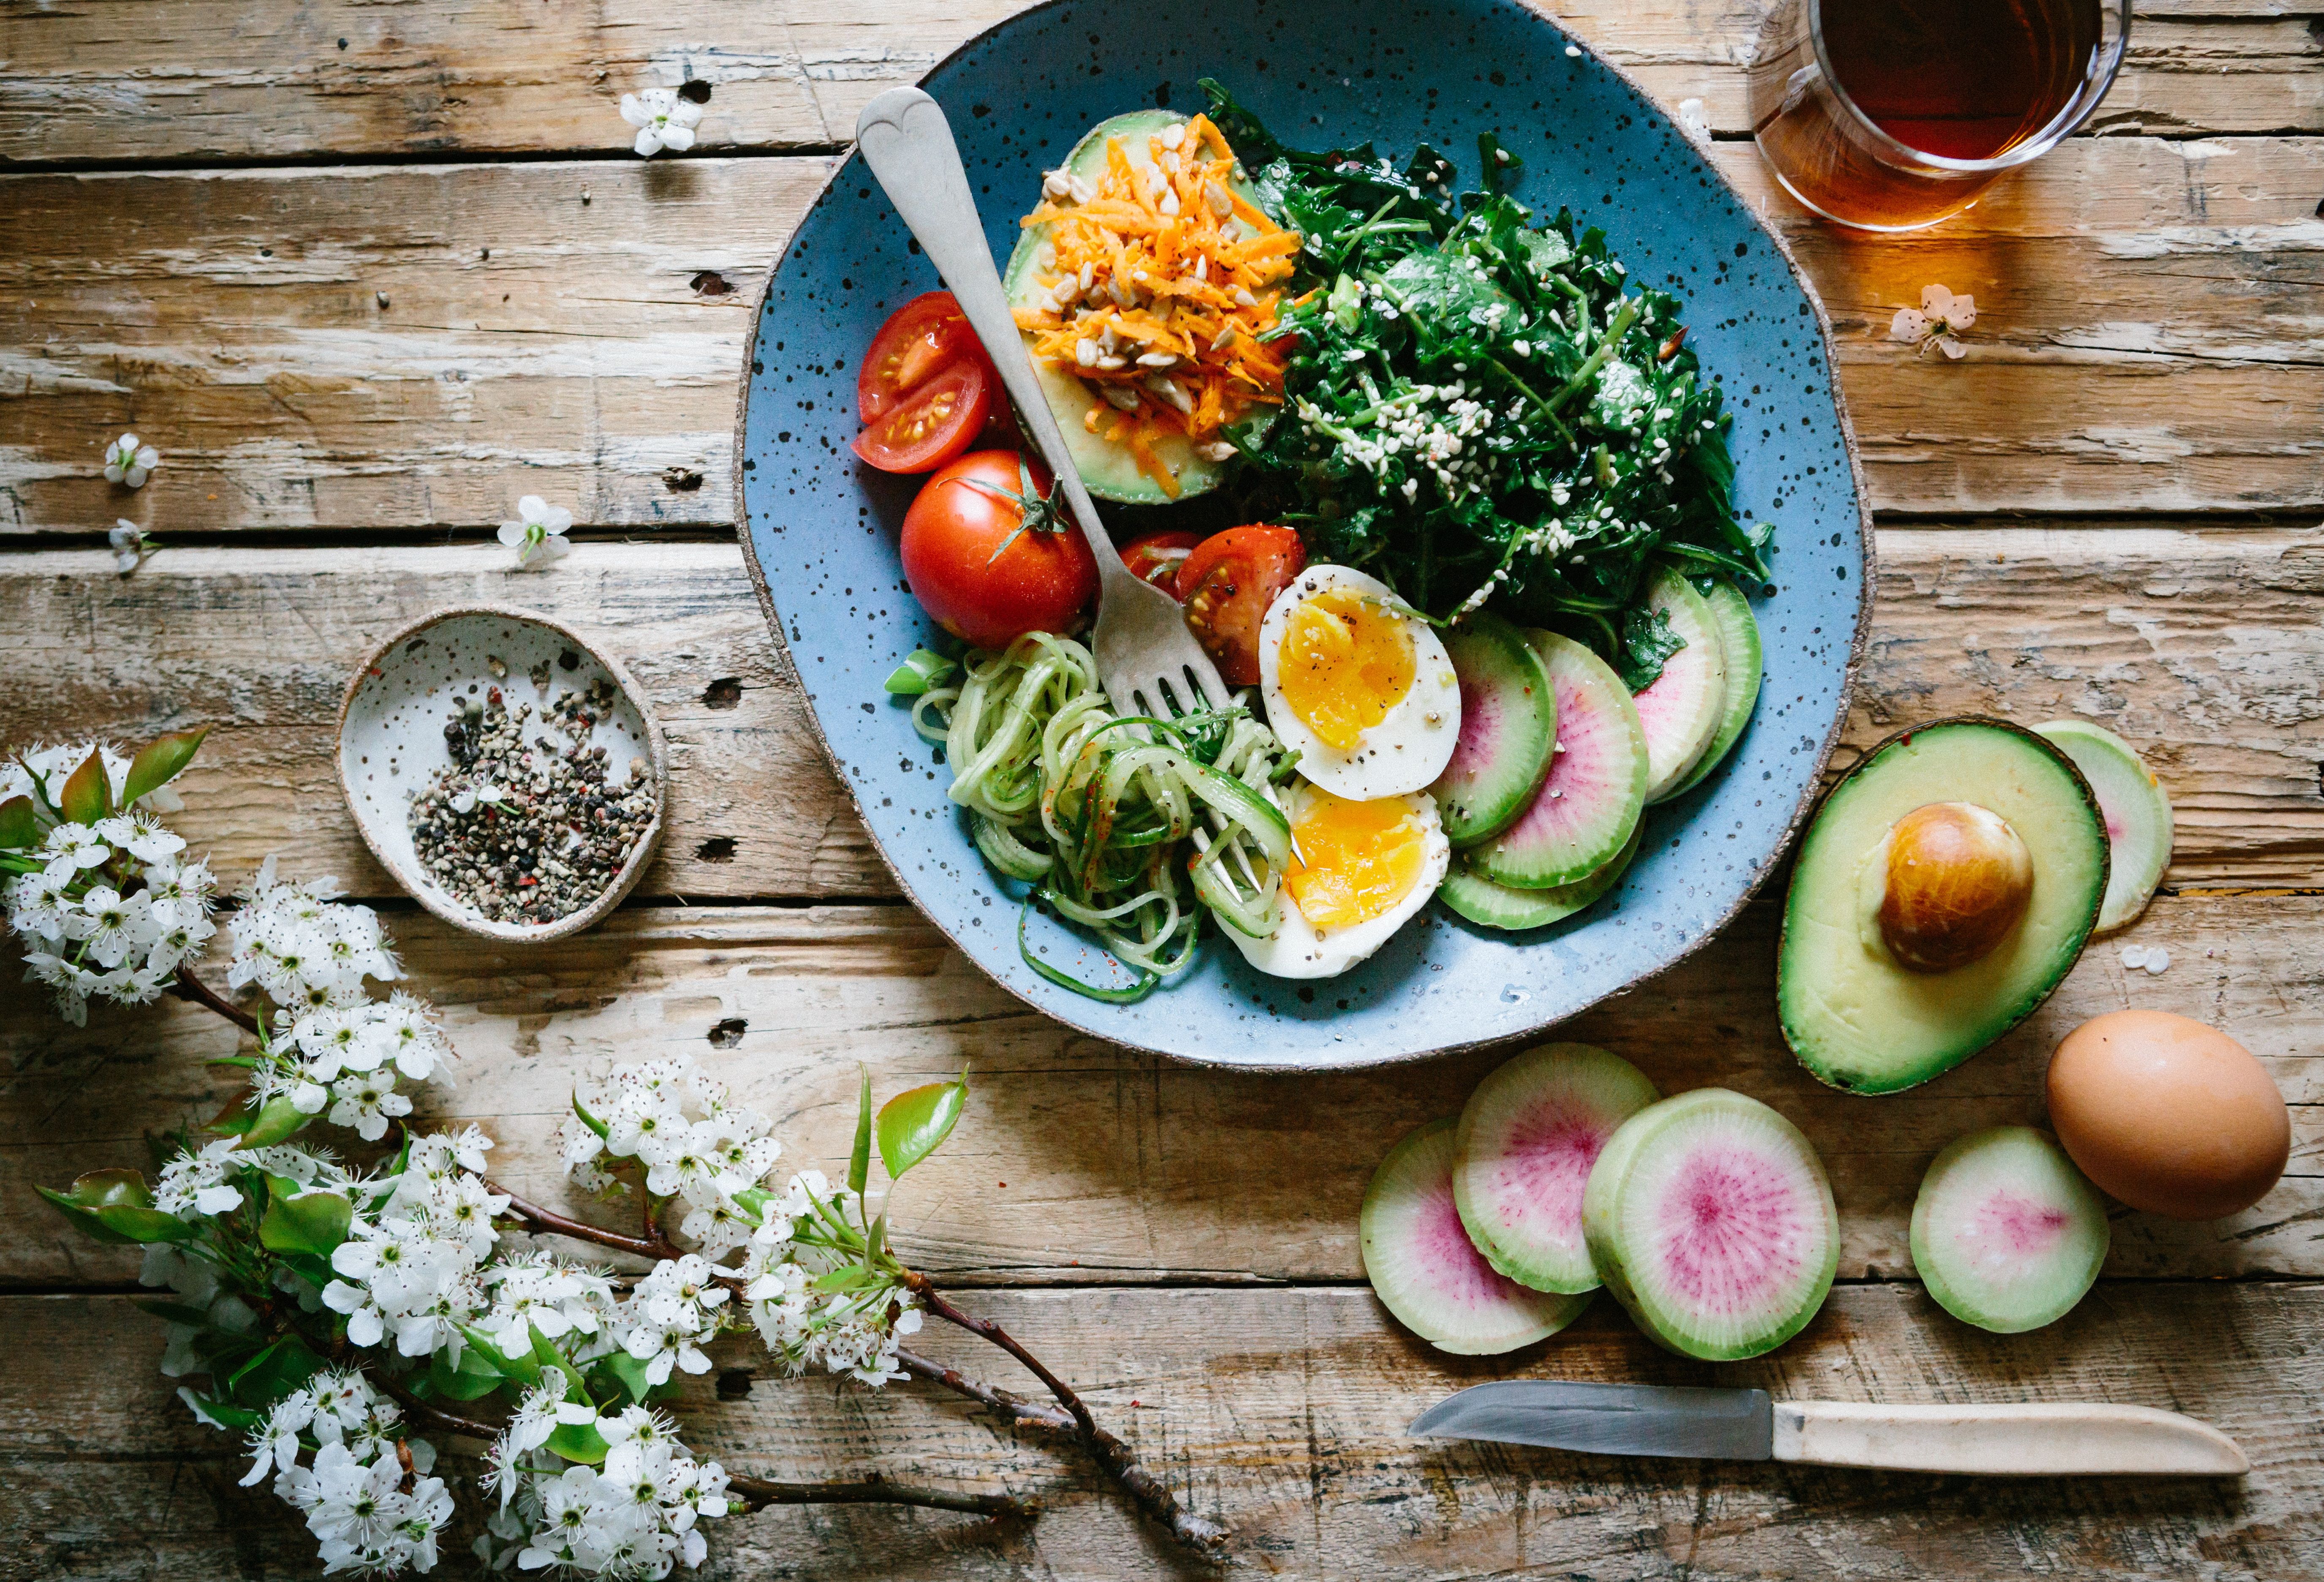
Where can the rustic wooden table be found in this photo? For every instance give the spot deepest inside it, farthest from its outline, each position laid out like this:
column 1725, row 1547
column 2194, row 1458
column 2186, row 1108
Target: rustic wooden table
column 365, row 273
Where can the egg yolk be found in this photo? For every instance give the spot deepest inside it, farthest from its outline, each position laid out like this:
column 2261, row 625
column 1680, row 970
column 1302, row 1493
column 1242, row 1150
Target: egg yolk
column 1351, row 861
column 1345, row 660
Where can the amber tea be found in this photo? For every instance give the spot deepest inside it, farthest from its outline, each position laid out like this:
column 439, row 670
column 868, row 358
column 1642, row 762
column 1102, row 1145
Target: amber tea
column 1892, row 114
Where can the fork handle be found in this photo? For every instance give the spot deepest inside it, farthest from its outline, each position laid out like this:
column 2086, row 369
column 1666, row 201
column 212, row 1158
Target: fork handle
column 904, row 137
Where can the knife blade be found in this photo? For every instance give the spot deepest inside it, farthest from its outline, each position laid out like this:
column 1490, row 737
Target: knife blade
column 2029, row 1439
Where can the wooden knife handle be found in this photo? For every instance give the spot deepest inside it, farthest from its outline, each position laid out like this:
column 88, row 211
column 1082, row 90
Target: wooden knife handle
column 2037, row 1440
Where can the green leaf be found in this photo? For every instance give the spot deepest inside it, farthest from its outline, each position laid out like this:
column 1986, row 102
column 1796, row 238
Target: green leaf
column 579, row 1442
column 172, row 1312
column 850, row 1277
column 275, row 1121
column 146, row 1225
column 101, row 1188
column 923, row 671
column 546, row 1353
column 304, row 1222
column 222, row 1414
column 82, row 1220
column 915, row 1123
column 273, row 1373
column 859, row 1163
column 525, row 1370
column 630, row 1374
column 473, row 1379
column 588, row 1120
column 160, row 762
column 88, row 796
column 18, row 827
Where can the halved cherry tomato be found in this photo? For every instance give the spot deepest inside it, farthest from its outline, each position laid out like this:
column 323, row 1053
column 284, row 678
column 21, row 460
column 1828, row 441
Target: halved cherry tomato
column 925, row 334
column 939, row 420
column 1156, row 557
column 1226, row 585
column 988, row 569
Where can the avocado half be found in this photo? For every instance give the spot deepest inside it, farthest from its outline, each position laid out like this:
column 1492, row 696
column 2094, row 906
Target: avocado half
column 1853, row 1015
column 1108, row 469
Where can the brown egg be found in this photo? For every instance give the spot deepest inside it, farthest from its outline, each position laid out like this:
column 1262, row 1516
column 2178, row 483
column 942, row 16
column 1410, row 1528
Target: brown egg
column 2167, row 1114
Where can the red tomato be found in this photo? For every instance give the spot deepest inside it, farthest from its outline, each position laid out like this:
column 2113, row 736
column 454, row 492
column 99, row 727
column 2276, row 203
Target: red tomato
column 981, row 584
column 1156, row 557
column 939, row 420
column 1226, row 586
column 925, row 334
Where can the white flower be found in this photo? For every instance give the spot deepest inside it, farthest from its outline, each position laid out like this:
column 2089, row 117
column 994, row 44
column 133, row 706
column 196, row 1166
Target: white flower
column 1940, row 317
column 127, row 461
column 539, row 531
column 663, row 119
column 367, row 1103
column 130, row 545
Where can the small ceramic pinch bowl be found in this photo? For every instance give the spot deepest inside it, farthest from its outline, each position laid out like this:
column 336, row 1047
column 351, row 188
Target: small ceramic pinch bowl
column 392, row 740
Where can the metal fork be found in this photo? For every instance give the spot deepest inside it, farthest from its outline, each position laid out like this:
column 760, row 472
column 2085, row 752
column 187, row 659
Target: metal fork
column 1147, row 660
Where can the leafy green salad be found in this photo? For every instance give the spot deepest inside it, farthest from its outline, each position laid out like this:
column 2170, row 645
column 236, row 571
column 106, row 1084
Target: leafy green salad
column 1476, row 409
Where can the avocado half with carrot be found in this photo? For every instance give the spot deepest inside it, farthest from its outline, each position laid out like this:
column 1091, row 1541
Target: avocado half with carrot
column 1151, row 413
column 1946, row 885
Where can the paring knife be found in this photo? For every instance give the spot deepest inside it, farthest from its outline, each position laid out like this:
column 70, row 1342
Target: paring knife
column 2035, row 1440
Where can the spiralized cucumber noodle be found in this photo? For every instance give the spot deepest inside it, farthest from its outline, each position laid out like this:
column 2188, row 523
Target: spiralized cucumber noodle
column 1132, row 827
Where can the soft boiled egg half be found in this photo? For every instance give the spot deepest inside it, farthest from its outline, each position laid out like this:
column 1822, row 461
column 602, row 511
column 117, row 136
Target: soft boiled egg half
column 1359, row 870
column 1357, row 684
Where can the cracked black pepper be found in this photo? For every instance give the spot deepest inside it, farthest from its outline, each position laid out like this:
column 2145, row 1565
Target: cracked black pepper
column 529, row 831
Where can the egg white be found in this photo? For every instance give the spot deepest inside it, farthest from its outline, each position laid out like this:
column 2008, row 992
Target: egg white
column 1296, row 949
column 1403, row 752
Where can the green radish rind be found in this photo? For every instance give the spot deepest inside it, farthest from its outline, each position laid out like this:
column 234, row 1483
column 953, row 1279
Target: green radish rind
column 1109, row 469
column 1500, row 906
column 1522, row 1153
column 1625, row 1253
column 1738, row 641
column 1682, row 710
column 2134, row 806
column 1858, row 1020
column 1426, row 1272
column 1550, row 843
column 2007, row 1234
column 1506, row 688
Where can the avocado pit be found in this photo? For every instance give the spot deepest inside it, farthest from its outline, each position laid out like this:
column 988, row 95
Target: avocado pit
column 1959, row 879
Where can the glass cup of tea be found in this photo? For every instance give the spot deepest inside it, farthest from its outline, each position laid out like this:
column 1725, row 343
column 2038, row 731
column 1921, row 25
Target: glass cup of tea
column 1890, row 115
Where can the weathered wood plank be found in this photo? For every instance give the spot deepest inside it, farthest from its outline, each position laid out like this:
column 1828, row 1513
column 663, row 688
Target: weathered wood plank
column 115, row 81
column 2202, row 646
column 1282, row 1412
column 395, row 348
column 1079, row 1162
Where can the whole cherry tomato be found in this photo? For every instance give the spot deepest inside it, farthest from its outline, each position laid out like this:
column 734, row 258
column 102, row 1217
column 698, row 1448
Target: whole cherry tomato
column 990, row 557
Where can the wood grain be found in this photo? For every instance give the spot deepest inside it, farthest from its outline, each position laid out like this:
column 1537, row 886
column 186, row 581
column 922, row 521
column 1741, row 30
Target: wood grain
column 2202, row 646
column 1081, row 1161
column 381, row 350
column 1282, row 1412
column 108, row 81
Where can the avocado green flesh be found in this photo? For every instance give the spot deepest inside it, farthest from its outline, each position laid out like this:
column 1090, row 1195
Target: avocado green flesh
column 1108, row 470
column 1856, row 1018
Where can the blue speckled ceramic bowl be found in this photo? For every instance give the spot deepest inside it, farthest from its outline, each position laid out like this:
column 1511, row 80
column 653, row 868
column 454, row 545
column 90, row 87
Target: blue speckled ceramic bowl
column 821, row 529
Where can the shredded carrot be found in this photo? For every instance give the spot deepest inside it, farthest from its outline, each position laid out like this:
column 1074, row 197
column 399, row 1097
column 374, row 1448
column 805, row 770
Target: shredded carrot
column 1167, row 263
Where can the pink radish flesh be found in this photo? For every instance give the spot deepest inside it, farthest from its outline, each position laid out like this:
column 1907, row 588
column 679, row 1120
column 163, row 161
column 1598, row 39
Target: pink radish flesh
column 1586, row 772
column 1453, row 1265
column 2007, row 1222
column 1540, row 1178
column 1481, row 730
column 1737, row 1226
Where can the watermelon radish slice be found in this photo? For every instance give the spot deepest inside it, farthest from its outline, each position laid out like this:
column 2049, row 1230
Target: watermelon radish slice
column 2137, row 812
column 1509, row 724
column 1682, row 710
column 1522, row 1154
column 1709, row 1218
column 1738, row 643
column 1590, row 803
column 1497, row 906
column 1426, row 1272
column 2008, row 1234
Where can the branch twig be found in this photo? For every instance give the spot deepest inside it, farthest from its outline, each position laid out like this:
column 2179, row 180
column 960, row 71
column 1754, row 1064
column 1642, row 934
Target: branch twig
column 756, row 1493
column 189, row 987
column 1007, row 1402
column 535, row 1217
column 1118, row 1459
